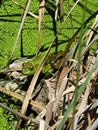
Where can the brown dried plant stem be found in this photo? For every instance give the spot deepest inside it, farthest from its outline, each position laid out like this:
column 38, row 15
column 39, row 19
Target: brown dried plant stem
column 41, row 15
column 20, row 29
column 36, row 104
column 28, row 96
column 30, row 13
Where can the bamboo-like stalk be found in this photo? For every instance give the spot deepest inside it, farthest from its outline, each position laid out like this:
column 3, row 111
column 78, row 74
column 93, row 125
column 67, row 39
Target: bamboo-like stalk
column 41, row 15
column 20, row 28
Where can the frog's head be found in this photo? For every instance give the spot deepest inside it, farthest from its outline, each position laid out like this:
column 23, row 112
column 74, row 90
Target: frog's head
column 28, row 68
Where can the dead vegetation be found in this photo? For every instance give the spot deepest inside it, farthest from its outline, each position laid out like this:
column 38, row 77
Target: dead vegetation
column 67, row 100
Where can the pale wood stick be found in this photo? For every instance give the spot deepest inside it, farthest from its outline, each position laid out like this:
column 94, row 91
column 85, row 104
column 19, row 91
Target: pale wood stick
column 30, row 13
column 36, row 104
column 32, row 84
column 20, row 28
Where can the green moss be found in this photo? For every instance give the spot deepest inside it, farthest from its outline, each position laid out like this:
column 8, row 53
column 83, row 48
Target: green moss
column 3, row 120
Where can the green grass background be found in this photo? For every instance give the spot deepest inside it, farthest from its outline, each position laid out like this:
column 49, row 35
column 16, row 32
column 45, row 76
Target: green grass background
column 10, row 18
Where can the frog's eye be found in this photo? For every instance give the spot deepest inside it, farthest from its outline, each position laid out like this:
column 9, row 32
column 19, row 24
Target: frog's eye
column 31, row 67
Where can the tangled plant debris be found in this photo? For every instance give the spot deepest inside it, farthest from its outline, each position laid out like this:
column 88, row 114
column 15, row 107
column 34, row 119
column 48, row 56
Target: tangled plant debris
column 56, row 98
column 68, row 98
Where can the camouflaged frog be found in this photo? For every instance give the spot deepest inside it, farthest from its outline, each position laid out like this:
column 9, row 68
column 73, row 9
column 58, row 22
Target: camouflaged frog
column 53, row 62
